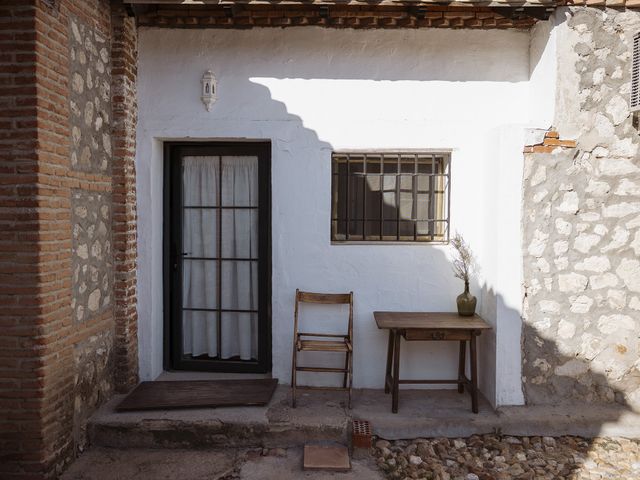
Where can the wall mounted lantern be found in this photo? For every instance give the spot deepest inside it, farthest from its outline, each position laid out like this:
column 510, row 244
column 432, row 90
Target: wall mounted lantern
column 209, row 88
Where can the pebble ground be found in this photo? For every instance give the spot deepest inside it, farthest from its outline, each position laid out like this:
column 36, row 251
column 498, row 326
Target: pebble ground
column 492, row 457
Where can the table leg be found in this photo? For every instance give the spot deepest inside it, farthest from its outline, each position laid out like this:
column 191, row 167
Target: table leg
column 396, row 371
column 474, row 374
column 461, row 365
column 389, row 362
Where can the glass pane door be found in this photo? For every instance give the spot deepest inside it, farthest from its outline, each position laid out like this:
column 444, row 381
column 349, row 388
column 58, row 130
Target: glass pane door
column 219, row 310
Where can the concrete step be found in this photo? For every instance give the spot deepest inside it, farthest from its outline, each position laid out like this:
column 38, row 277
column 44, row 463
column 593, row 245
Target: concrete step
column 320, row 419
column 323, row 417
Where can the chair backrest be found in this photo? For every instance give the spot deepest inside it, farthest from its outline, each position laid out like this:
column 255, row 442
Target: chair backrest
column 327, row 299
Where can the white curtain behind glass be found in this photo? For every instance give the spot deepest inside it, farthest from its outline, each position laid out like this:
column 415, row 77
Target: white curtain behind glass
column 239, row 234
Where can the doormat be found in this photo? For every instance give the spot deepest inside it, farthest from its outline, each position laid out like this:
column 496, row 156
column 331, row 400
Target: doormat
column 199, row 394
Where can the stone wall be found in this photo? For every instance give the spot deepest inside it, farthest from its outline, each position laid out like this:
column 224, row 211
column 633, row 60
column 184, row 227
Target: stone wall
column 89, row 98
column 91, row 151
column 92, row 286
column 92, row 260
column 94, row 361
column 582, row 224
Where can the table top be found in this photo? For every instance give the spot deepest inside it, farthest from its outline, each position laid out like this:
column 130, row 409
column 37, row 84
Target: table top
column 429, row 320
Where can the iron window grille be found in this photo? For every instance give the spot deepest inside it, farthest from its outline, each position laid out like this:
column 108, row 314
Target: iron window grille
column 635, row 74
column 390, row 196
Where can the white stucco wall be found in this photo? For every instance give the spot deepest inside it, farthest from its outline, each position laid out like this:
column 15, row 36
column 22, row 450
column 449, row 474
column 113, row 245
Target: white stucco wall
column 311, row 91
column 543, row 71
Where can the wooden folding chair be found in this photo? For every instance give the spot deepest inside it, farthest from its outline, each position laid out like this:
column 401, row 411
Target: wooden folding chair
column 323, row 342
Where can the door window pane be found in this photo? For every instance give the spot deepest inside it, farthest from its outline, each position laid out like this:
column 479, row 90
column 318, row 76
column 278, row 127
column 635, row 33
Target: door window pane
column 200, row 333
column 239, row 335
column 239, row 233
column 239, row 181
column 200, row 284
column 200, row 181
column 239, row 285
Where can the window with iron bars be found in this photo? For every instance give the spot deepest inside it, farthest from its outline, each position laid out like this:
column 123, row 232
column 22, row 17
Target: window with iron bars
column 390, row 196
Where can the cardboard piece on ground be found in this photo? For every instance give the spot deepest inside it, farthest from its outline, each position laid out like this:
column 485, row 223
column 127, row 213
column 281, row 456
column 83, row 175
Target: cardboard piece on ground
column 318, row 457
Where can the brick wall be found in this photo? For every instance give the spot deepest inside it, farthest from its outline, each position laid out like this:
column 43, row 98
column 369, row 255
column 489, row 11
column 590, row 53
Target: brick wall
column 20, row 383
column 550, row 142
column 64, row 227
column 124, row 74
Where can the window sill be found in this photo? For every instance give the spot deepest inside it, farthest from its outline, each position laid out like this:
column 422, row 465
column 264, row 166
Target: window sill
column 388, row 242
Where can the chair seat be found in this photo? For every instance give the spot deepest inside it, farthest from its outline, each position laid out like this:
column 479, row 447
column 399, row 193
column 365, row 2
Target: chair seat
column 324, row 345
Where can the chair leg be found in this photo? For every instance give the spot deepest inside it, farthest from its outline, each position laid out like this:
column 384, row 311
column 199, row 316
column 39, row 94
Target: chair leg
column 293, row 378
column 350, row 377
column 346, row 370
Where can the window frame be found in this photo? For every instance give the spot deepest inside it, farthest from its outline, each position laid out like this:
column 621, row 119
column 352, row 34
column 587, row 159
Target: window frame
column 441, row 193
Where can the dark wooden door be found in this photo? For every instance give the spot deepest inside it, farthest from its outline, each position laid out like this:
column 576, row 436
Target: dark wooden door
column 217, row 256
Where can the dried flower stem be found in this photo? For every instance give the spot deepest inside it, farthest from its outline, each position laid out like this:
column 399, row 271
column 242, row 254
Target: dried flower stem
column 463, row 262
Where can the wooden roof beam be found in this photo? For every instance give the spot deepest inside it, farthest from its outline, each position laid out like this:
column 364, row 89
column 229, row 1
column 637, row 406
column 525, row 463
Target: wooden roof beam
column 374, row 3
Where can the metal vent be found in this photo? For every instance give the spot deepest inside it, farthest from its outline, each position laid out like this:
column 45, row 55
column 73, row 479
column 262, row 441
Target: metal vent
column 635, row 74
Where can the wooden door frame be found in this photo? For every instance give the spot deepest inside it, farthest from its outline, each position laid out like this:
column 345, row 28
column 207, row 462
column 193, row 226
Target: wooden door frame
column 172, row 332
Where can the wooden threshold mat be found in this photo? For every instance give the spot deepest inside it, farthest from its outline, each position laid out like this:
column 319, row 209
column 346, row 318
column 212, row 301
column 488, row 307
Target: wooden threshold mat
column 199, row 394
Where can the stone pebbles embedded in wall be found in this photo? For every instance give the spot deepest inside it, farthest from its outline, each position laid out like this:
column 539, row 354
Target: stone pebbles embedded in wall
column 92, row 256
column 89, row 99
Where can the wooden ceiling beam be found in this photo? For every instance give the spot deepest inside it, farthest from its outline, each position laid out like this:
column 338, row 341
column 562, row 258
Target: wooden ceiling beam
column 375, row 3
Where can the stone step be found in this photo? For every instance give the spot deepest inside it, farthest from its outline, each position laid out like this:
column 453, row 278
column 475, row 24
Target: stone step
column 322, row 417
column 275, row 425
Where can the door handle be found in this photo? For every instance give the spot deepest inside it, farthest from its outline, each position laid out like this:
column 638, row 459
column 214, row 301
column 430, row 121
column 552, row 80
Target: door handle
column 174, row 256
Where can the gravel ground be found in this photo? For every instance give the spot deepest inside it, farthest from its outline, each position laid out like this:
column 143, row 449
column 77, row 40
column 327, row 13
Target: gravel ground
column 491, row 457
column 487, row 457
column 207, row 464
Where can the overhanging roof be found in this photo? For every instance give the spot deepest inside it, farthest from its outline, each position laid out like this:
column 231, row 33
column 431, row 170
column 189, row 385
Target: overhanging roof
column 460, row 3
column 344, row 3
column 353, row 13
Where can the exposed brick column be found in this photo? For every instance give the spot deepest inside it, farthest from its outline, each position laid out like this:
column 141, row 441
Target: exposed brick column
column 36, row 365
column 21, row 380
column 124, row 72
column 55, row 365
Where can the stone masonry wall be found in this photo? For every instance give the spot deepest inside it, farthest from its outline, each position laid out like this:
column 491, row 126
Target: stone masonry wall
column 581, row 229
column 92, row 286
column 92, row 260
column 90, row 115
column 90, row 98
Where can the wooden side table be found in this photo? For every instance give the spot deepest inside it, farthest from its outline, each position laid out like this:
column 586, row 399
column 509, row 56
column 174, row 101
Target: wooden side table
column 431, row 326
